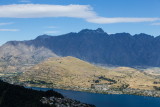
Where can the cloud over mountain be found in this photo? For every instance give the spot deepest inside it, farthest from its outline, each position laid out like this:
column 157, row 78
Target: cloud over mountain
column 74, row 11
column 10, row 30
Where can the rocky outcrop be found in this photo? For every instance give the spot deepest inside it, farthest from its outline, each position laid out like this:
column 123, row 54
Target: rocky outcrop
column 63, row 102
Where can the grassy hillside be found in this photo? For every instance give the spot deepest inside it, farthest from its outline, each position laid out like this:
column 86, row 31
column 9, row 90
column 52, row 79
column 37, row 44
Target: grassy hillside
column 70, row 72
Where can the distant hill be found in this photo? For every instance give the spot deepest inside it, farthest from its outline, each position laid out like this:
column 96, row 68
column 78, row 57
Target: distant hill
column 95, row 46
column 73, row 73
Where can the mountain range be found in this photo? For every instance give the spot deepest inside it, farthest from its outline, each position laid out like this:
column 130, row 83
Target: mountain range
column 70, row 61
column 94, row 46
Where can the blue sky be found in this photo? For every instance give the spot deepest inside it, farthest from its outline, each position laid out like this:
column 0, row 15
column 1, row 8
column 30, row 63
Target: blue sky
column 27, row 19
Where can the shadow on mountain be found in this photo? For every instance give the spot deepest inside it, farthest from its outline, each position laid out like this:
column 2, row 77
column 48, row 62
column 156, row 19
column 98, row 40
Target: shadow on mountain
column 98, row 47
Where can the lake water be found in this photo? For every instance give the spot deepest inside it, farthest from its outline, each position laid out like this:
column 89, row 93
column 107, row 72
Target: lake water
column 104, row 100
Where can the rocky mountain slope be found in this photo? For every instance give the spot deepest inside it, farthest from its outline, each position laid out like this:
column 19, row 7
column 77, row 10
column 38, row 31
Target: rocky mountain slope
column 94, row 46
column 18, row 57
column 75, row 74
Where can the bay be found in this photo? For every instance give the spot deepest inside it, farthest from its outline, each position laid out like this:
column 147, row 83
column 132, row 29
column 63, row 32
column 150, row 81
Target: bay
column 105, row 100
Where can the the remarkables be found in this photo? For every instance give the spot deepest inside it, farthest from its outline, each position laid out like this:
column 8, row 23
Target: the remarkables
column 94, row 46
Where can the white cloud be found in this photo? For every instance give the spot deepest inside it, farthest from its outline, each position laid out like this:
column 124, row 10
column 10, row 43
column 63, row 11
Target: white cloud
column 10, row 30
column 155, row 24
column 103, row 20
column 9, row 23
column 75, row 11
column 51, row 27
column 25, row 1
column 51, row 32
column 40, row 11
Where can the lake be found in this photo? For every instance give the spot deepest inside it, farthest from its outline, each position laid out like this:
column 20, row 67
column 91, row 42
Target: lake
column 105, row 100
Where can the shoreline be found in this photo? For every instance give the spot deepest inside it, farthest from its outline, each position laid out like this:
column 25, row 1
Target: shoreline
column 128, row 91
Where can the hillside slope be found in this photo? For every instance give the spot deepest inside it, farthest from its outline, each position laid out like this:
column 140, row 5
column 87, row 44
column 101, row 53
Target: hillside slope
column 18, row 96
column 73, row 73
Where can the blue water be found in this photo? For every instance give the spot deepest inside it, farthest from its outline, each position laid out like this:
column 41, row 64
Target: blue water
column 104, row 100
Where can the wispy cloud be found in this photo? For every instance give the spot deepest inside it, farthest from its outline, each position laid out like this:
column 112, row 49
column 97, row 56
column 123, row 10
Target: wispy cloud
column 25, row 1
column 51, row 32
column 9, row 23
column 51, row 27
column 103, row 20
column 10, row 30
column 75, row 11
column 157, row 24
